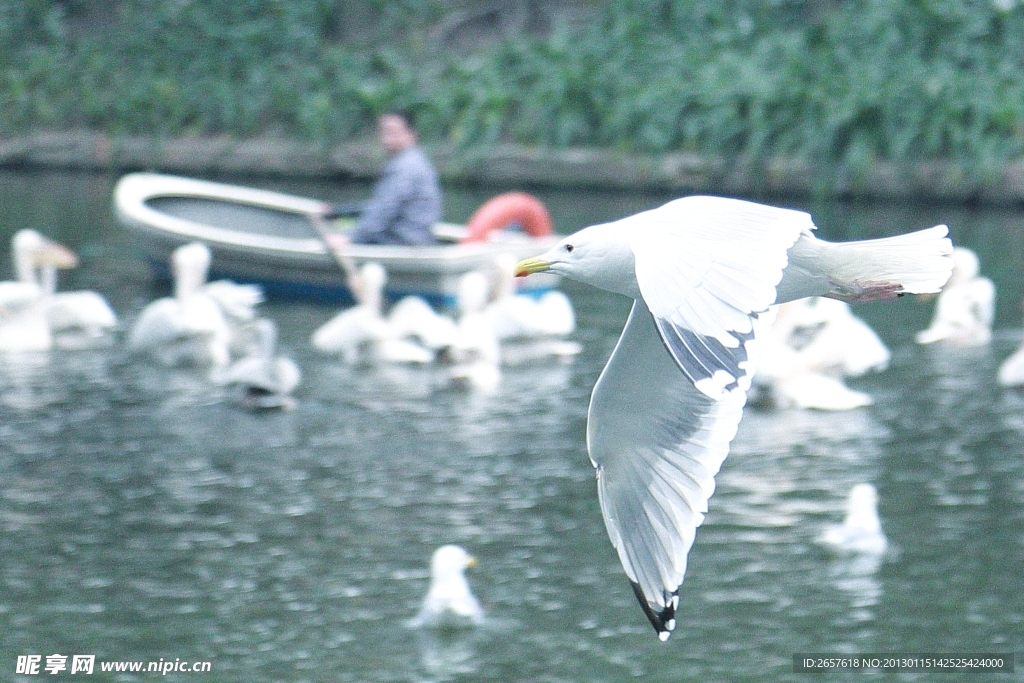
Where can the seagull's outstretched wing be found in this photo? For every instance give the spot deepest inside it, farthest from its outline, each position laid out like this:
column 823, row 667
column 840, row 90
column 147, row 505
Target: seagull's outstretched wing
column 705, row 266
column 657, row 443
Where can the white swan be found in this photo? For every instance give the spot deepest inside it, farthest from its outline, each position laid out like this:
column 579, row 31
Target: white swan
column 361, row 334
column 966, row 306
column 475, row 354
column 861, row 531
column 265, row 381
column 190, row 327
column 238, row 302
column 531, row 326
column 449, row 601
column 23, row 302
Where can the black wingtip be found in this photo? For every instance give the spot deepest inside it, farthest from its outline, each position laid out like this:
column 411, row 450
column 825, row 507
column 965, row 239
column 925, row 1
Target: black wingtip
column 665, row 620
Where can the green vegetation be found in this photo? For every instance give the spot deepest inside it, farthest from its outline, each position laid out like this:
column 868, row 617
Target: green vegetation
column 847, row 82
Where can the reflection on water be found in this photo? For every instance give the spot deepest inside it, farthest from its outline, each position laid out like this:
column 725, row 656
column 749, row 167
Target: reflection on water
column 145, row 516
column 445, row 655
column 855, row 576
column 26, row 382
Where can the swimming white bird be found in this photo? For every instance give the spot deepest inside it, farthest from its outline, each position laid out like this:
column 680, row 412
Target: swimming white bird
column 815, row 343
column 861, row 531
column 529, row 328
column 703, row 272
column 474, row 354
column 188, row 328
column 264, row 381
column 966, row 306
column 449, row 601
column 361, row 334
column 77, row 319
column 414, row 319
column 23, row 302
column 830, row 339
column 237, row 303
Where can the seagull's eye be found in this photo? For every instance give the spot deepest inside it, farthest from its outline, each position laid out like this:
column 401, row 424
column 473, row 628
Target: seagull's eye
column 569, row 248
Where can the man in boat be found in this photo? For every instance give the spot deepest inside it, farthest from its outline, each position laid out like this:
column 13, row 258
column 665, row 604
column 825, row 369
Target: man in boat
column 406, row 201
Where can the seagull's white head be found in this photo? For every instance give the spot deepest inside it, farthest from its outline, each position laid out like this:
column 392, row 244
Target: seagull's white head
column 449, row 602
column 448, row 563
column 600, row 256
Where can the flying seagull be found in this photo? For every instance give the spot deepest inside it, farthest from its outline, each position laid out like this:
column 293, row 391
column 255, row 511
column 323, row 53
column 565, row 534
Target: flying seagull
column 704, row 273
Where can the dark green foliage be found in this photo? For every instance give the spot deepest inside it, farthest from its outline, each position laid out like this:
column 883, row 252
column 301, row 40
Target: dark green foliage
column 848, row 82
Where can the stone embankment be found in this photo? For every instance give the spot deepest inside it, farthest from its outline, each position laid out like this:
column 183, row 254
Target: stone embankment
column 509, row 165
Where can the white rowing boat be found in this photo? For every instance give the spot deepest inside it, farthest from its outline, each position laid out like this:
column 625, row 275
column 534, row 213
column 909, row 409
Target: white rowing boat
column 270, row 238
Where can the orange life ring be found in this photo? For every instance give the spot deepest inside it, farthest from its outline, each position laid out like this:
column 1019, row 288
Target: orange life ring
column 499, row 212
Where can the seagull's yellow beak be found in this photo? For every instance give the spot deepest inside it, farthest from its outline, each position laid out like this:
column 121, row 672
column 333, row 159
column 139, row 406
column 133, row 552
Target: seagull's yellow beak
column 531, row 265
column 472, row 562
column 55, row 254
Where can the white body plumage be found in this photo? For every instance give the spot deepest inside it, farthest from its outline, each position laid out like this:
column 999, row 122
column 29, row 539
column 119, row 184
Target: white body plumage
column 449, row 601
column 861, row 530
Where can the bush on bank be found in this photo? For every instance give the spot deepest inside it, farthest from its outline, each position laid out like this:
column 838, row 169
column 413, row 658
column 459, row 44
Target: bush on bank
column 843, row 82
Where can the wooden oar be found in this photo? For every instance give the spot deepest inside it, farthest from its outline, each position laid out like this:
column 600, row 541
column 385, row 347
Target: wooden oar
column 344, row 261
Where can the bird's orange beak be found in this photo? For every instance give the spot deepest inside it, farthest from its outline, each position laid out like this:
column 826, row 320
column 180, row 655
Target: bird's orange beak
column 57, row 255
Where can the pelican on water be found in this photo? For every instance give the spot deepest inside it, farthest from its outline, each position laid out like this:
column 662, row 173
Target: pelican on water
column 190, row 327
column 362, row 334
column 23, row 302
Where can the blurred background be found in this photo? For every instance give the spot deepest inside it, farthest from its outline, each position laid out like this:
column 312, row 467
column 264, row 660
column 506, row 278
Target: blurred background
column 844, row 83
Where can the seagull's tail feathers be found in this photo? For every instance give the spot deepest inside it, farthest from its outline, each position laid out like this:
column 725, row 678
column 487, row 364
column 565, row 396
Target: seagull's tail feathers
column 915, row 263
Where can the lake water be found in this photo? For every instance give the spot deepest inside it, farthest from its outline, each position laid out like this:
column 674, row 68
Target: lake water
column 144, row 517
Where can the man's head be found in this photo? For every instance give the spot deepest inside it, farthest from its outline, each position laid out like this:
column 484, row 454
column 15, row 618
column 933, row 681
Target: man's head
column 396, row 132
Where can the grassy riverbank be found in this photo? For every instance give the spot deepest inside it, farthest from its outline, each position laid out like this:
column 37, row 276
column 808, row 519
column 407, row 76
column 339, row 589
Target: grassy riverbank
column 838, row 87
column 509, row 166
